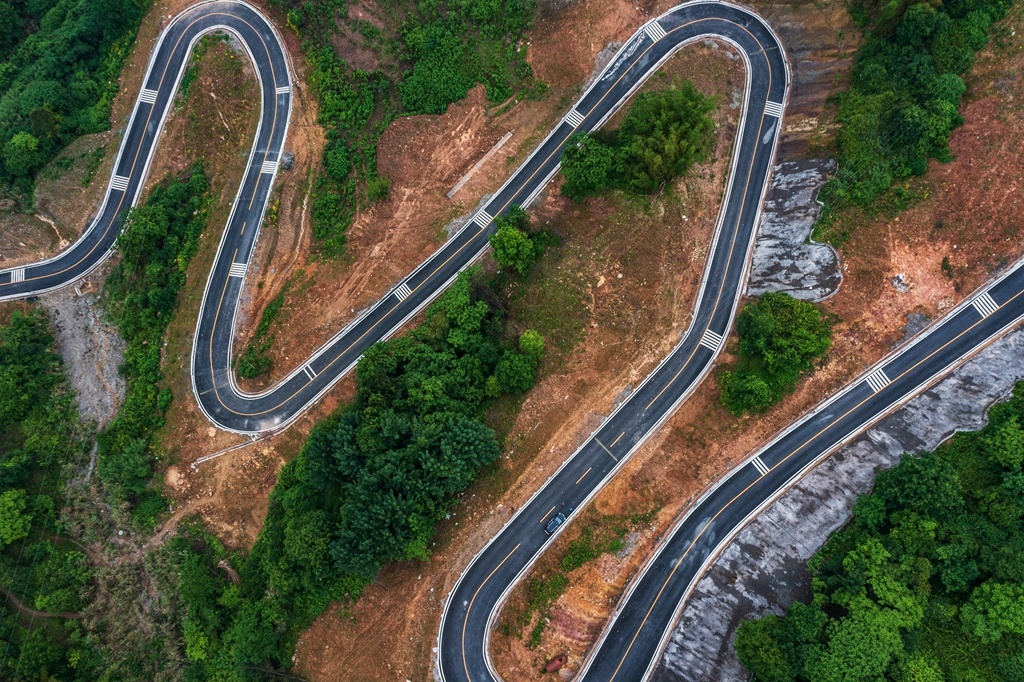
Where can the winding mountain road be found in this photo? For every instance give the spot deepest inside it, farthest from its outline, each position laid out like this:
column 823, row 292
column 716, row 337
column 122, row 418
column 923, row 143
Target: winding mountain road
column 635, row 636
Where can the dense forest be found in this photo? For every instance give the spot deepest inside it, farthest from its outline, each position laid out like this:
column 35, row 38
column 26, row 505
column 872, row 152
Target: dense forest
column 368, row 486
column 41, row 439
column 60, row 69
column 905, row 93
column 926, row 581
column 439, row 50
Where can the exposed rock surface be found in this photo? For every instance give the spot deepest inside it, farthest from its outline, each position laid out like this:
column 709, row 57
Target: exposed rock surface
column 92, row 349
column 764, row 569
column 784, row 257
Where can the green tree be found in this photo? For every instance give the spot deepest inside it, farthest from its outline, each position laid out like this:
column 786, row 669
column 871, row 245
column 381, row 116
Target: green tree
column 1006, row 444
column 531, row 344
column 14, row 521
column 513, row 249
column 780, row 338
column 587, row 166
column 22, row 154
column 663, row 134
column 759, row 648
column 995, row 609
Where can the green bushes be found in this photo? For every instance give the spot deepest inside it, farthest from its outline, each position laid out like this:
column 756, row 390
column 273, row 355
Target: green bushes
column 662, row 135
column 780, row 338
column 255, row 360
column 59, row 76
column 442, row 49
column 452, row 46
column 515, row 246
column 349, row 99
column 140, row 295
column 924, row 582
column 906, row 88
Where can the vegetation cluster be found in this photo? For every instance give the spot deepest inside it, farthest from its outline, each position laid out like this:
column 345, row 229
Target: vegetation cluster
column 780, row 338
column 141, row 295
column 368, row 486
column 40, row 436
column 926, row 581
column 905, row 94
column 662, row 135
column 59, row 66
column 515, row 245
column 440, row 50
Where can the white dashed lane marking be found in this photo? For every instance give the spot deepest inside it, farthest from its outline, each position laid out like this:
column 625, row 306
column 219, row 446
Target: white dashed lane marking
column 269, row 167
column 712, row 340
column 17, row 275
column 403, row 291
column 148, row 96
column 309, row 372
column 654, row 31
column 985, row 305
column 773, row 109
column 877, row 380
column 760, row 465
column 284, row 89
column 119, row 183
column 238, row 269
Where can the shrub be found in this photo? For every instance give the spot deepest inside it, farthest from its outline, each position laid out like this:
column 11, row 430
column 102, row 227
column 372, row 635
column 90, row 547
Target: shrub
column 780, row 337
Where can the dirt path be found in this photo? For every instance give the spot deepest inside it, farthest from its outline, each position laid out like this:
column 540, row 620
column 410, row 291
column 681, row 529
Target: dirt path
column 32, row 613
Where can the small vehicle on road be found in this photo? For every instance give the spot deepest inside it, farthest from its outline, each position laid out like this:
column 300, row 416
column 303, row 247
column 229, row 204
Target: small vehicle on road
column 556, row 521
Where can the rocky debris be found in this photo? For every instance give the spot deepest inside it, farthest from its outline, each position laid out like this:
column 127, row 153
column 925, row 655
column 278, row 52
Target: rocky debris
column 452, row 228
column 603, row 59
column 287, row 160
column 91, row 347
column 916, row 321
column 764, row 569
column 899, row 282
column 785, row 259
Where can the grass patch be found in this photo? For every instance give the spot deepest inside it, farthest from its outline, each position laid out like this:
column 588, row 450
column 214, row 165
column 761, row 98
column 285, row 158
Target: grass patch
column 601, row 534
column 554, row 302
column 255, row 360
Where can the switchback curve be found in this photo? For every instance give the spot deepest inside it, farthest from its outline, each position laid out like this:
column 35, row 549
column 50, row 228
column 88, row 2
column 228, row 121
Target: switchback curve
column 475, row 602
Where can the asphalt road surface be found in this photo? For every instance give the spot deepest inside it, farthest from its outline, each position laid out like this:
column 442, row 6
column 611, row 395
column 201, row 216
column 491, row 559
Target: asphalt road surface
column 213, row 379
column 635, row 636
column 473, row 606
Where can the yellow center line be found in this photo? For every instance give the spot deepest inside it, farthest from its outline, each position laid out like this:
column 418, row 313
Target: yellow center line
column 793, row 452
column 583, row 476
column 546, row 515
column 469, row 608
column 618, row 439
